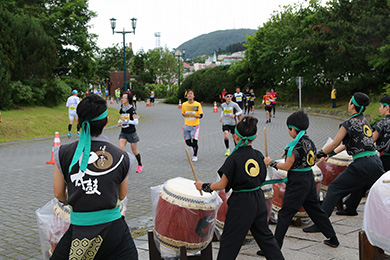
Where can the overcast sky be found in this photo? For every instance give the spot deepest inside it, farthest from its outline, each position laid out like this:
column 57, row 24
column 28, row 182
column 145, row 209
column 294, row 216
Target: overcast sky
column 177, row 20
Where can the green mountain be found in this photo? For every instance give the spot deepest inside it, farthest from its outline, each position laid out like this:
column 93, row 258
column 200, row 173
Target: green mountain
column 206, row 44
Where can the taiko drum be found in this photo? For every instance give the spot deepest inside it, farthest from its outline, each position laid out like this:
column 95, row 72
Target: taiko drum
column 332, row 168
column 280, row 188
column 184, row 217
column 221, row 216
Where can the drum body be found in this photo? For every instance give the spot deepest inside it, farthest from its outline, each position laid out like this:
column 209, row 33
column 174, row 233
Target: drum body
column 60, row 224
column 221, row 216
column 184, row 217
column 280, row 188
column 332, row 168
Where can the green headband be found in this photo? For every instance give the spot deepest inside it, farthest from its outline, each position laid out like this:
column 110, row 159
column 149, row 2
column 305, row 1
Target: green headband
column 245, row 138
column 292, row 144
column 356, row 104
column 385, row 104
column 84, row 145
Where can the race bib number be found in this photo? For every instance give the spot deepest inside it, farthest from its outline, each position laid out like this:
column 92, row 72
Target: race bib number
column 190, row 115
column 72, row 108
column 268, row 102
column 126, row 116
column 228, row 111
column 238, row 99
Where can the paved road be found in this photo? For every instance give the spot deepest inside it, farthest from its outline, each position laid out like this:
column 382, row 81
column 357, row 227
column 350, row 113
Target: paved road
column 26, row 181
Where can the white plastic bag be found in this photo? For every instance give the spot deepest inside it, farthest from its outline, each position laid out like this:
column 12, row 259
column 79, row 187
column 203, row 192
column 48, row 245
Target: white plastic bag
column 376, row 219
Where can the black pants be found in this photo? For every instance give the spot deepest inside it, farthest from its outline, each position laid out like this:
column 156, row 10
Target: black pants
column 301, row 191
column 362, row 173
column 354, row 200
column 333, row 103
column 117, row 244
column 247, row 211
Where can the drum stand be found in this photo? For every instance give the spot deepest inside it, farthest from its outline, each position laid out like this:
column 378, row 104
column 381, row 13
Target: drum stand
column 368, row 251
column 154, row 254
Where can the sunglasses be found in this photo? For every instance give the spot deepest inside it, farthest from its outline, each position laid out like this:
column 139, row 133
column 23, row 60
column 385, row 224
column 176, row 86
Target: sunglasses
column 229, row 96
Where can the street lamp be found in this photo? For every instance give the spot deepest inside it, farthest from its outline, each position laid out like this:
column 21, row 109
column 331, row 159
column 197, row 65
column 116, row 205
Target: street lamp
column 113, row 25
column 179, row 54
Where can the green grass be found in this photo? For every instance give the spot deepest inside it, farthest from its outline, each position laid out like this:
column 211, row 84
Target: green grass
column 37, row 122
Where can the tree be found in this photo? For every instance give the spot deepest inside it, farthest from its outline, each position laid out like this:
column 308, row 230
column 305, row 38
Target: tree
column 208, row 83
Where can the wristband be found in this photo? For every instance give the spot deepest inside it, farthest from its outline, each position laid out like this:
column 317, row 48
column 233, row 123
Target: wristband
column 332, row 153
column 273, row 163
column 321, row 154
column 206, row 187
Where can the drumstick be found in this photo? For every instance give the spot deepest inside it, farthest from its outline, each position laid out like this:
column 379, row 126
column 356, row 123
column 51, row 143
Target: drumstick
column 265, row 143
column 386, row 181
column 266, row 153
column 193, row 170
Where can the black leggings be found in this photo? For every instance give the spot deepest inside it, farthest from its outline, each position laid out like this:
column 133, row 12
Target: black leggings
column 194, row 144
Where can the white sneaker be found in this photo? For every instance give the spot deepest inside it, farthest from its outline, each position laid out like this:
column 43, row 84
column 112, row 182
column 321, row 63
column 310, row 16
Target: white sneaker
column 194, row 159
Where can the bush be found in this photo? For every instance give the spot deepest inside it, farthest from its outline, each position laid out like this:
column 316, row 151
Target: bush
column 172, row 100
column 21, row 94
column 57, row 91
column 162, row 90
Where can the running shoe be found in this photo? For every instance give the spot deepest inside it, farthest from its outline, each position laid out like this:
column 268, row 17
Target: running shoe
column 139, row 169
column 227, row 152
column 266, row 122
column 78, row 133
column 273, row 116
column 69, row 135
column 194, row 159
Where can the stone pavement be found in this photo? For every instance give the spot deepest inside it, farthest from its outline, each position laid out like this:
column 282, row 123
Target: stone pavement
column 26, row 180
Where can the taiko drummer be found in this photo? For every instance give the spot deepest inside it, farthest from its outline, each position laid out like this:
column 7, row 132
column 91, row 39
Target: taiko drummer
column 300, row 186
column 382, row 139
column 244, row 171
column 357, row 138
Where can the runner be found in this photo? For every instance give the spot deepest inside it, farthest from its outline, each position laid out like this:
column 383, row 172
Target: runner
column 91, row 176
column 228, row 119
column 247, row 96
column 267, row 101
column 274, row 96
column 128, row 121
column 222, row 95
column 151, row 95
column 135, row 101
column 71, row 104
column 106, row 92
column 192, row 111
column 239, row 98
column 251, row 102
column 117, row 94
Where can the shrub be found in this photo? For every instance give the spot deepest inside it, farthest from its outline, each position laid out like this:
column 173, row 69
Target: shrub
column 21, row 94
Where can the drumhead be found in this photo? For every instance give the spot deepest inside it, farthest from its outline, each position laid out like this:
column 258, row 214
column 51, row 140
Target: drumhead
column 182, row 192
column 279, row 174
column 342, row 159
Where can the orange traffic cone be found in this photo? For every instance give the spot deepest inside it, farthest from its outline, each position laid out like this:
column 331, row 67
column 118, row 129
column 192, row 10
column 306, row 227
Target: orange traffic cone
column 112, row 101
column 179, row 104
column 57, row 142
column 148, row 102
column 215, row 110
